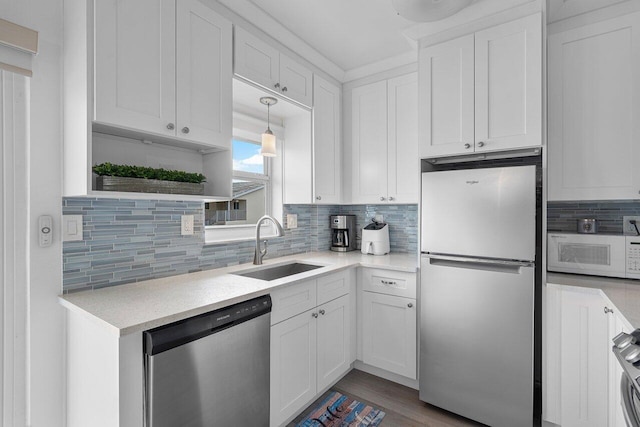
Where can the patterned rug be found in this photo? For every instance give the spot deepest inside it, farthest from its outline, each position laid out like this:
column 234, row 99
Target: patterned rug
column 338, row 410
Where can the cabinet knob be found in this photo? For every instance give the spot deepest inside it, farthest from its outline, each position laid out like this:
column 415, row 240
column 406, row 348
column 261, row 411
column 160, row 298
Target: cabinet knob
column 391, row 199
column 171, row 126
column 467, row 146
column 410, row 305
column 277, row 85
column 607, row 310
column 382, row 199
column 185, row 130
column 315, row 315
column 480, row 144
column 318, row 197
column 284, row 89
column 322, row 312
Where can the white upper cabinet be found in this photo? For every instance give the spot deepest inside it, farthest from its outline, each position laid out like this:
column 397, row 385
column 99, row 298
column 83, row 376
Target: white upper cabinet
column 594, row 111
column 384, row 138
column 327, row 158
column 483, row 92
column 135, row 64
column 164, row 68
column 446, row 98
column 260, row 63
column 204, row 70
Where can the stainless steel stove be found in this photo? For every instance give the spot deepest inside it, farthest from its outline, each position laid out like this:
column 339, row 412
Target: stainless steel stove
column 626, row 348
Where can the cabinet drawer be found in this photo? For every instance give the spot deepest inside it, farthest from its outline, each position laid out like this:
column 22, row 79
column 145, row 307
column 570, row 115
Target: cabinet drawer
column 292, row 300
column 332, row 286
column 389, row 282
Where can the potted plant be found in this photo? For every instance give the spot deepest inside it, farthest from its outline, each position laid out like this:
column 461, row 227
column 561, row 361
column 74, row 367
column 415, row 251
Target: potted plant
column 140, row 179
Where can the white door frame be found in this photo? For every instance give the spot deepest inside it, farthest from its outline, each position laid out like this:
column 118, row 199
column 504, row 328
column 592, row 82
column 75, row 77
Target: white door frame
column 14, row 238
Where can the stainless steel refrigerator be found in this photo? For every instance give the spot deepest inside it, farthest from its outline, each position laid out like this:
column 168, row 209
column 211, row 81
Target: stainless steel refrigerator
column 477, row 293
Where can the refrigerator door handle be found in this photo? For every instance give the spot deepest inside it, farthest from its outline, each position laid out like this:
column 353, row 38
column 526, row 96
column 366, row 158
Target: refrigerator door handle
column 483, row 263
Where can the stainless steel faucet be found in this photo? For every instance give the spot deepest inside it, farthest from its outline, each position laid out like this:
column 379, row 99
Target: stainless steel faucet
column 260, row 253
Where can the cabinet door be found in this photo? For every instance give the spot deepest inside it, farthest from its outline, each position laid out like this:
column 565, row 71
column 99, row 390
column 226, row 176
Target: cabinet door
column 402, row 140
column 369, row 143
column 327, row 159
column 594, row 111
column 334, row 341
column 204, row 75
column 135, row 65
column 293, row 366
column 584, row 360
column 255, row 60
column 296, row 81
column 617, row 324
column 389, row 333
column 446, row 98
column 508, row 85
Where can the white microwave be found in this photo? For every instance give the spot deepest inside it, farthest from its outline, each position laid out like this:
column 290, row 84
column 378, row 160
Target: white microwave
column 594, row 254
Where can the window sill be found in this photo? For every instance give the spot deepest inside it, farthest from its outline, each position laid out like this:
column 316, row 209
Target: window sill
column 222, row 234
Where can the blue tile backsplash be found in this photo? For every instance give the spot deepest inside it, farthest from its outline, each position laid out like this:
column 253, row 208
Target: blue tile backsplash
column 126, row 241
column 563, row 216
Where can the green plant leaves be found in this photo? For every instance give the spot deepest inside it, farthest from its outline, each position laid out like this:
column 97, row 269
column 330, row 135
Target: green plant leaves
column 109, row 169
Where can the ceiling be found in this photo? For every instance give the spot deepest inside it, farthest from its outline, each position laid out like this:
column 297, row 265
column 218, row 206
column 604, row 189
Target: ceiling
column 350, row 33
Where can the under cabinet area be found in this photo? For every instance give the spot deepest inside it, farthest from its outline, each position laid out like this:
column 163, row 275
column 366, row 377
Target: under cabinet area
column 312, row 341
column 147, row 85
column 483, row 91
column 261, row 63
column 388, row 331
column 594, row 111
column 384, row 141
column 581, row 370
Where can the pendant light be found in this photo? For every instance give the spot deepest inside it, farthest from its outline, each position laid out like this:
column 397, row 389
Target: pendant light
column 268, row 138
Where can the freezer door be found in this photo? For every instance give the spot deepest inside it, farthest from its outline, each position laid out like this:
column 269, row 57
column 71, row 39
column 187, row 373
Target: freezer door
column 476, row 340
column 480, row 212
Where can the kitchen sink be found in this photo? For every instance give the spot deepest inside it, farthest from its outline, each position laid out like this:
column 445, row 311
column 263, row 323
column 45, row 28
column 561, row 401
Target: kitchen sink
column 278, row 271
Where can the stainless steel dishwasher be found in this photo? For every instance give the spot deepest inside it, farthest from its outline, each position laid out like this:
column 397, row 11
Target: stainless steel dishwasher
column 210, row 370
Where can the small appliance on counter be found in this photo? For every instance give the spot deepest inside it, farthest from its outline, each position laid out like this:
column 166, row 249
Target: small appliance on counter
column 343, row 232
column 375, row 238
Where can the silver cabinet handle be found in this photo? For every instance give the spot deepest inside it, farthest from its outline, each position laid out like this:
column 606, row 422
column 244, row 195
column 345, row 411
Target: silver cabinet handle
column 171, row 126
column 315, row 315
column 607, row 310
column 391, row 199
column 185, row 130
column 318, row 197
column 480, row 144
column 467, row 146
column 322, row 312
column 277, row 85
column 386, row 282
column 382, row 199
column 284, row 89
column 410, row 305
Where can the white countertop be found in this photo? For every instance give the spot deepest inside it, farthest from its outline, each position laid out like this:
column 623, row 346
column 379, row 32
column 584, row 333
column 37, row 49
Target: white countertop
column 144, row 305
column 623, row 293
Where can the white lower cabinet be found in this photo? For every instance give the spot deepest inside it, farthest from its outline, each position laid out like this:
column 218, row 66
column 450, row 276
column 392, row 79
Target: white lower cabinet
column 389, row 321
column 312, row 350
column 582, row 375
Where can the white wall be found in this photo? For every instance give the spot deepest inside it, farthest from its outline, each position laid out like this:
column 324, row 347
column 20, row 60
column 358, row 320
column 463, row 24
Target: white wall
column 45, row 337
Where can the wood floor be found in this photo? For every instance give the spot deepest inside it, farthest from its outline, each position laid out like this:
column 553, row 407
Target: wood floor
column 401, row 404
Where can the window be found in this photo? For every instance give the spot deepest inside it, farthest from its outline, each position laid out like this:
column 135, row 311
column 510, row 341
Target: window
column 251, row 188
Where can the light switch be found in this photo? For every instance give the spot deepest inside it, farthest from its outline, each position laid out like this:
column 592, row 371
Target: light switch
column 292, row 220
column 71, row 228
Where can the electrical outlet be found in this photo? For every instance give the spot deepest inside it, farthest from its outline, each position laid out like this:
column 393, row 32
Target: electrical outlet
column 292, row 220
column 379, row 218
column 187, row 225
column 627, row 227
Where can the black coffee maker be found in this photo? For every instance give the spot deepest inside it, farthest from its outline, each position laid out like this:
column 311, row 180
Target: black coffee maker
column 343, row 232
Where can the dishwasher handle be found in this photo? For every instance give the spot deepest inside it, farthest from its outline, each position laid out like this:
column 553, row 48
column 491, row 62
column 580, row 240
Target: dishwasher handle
column 175, row 334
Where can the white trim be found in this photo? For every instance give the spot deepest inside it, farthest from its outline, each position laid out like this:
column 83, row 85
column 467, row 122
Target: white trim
column 381, row 66
column 14, row 247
